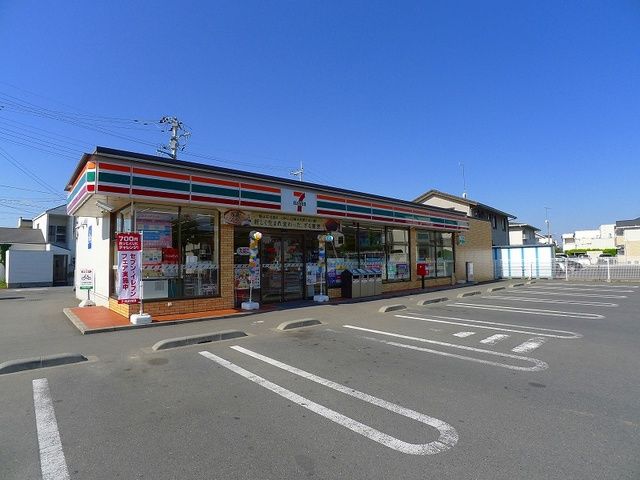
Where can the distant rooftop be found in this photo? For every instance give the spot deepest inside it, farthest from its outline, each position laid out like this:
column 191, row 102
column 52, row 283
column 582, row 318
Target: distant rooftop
column 21, row 235
column 463, row 200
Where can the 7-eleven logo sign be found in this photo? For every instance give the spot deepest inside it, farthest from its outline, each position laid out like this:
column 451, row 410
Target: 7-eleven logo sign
column 299, row 200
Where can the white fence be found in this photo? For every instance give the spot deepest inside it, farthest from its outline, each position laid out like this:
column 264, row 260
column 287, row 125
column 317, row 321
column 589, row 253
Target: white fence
column 603, row 269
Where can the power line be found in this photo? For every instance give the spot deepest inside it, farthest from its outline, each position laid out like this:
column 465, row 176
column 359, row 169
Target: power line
column 27, row 172
column 25, row 189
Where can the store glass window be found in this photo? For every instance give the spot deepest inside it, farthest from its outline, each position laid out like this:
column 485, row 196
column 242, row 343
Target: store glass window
column 444, row 254
column 342, row 254
column 198, row 236
column 426, row 250
column 398, row 260
column 372, row 249
column 179, row 250
column 160, row 250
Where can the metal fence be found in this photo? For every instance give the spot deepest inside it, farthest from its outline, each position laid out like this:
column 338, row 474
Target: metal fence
column 606, row 269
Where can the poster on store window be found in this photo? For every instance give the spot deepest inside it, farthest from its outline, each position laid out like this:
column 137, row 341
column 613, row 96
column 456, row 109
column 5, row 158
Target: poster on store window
column 129, row 251
column 335, row 267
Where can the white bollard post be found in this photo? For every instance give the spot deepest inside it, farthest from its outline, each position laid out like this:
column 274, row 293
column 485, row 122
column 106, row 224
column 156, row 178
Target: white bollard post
column 608, row 271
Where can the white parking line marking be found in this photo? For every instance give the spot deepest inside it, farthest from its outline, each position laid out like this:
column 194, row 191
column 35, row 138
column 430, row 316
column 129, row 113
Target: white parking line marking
column 530, row 311
column 52, row 461
column 529, row 346
column 537, row 364
column 563, row 288
column 552, row 300
column 597, row 285
column 594, row 295
column 481, row 324
column 493, row 339
column 448, row 435
column 464, row 334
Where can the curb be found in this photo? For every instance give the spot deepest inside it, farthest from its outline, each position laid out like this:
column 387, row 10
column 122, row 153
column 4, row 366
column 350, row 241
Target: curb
column 392, row 308
column 197, row 339
column 469, row 294
column 514, row 285
column 73, row 318
column 305, row 322
column 531, row 282
column 422, row 303
column 495, row 289
column 22, row 364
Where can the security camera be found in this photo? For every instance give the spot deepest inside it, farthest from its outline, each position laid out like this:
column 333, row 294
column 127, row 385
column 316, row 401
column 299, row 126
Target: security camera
column 105, row 207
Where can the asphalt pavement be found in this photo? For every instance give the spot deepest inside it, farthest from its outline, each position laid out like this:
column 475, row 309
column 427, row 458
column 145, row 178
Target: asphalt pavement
column 540, row 381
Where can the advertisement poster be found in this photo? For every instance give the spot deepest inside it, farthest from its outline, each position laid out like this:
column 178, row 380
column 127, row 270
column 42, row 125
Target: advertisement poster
column 129, row 248
column 157, row 230
column 335, row 267
column 242, row 276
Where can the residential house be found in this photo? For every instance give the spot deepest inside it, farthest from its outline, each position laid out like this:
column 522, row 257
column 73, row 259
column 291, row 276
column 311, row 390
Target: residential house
column 499, row 220
column 522, row 234
column 627, row 238
column 58, row 229
column 39, row 252
column 26, row 262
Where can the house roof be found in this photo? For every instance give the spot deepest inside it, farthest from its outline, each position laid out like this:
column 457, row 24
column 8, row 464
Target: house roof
column 628, row 223
column 59, row 210
column 522, row 226
column 21, row 235
column 168, row 162
column 465, row 201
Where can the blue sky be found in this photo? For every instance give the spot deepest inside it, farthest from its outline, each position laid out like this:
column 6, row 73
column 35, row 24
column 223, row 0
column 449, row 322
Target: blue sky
column 539, row 100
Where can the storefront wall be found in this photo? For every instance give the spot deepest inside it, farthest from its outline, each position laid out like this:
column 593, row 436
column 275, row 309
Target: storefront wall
column 281, row 209
column 474, row 246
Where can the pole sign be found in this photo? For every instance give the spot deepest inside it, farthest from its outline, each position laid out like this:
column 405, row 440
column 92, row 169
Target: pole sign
column 86, row 279
column 129, row 247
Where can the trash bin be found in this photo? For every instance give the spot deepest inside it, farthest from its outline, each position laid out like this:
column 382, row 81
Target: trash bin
column 368, row 281
column 350, row 280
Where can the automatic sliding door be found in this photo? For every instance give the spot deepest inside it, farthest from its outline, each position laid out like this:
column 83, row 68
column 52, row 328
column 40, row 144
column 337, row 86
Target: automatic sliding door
column 293, row 254
column 271, row 266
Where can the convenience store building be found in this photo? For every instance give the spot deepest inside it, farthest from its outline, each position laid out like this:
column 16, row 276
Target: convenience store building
column 196, row 221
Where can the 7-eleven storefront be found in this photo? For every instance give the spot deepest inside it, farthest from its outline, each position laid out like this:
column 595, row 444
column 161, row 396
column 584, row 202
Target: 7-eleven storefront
column 196, row 220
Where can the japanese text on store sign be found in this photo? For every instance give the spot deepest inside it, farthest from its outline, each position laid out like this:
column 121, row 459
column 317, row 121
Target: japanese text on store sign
column 129, row 263
column 283, row 221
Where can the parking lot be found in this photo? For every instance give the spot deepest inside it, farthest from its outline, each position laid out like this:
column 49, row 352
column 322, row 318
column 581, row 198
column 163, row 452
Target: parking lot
column 535, row 381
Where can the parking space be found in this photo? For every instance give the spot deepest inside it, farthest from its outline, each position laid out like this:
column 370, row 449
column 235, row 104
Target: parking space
column 457, row 391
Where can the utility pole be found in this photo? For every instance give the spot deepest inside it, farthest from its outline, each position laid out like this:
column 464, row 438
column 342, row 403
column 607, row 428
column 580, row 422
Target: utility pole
column 546, row 220
column 177, row 126
column 298, row 173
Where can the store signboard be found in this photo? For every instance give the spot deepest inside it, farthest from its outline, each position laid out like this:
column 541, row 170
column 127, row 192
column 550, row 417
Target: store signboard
column 129, row 248
column 275, row 220
column 299, row 201
column 86, row 279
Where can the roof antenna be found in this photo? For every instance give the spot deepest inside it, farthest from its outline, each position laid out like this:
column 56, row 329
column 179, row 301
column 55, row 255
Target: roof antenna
column 464, row 181
column 298, row 173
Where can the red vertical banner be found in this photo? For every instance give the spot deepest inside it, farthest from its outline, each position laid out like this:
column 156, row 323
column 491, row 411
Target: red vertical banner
column 129, row 250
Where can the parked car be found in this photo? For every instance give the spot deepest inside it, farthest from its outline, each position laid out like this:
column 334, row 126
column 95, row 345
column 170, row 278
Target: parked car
column 562, row 264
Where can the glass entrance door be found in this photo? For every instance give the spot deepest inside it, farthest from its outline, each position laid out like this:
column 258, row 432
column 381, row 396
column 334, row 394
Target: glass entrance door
column 293, row 263
column 282, row 267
